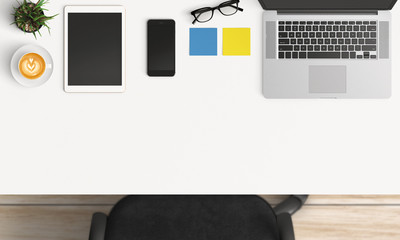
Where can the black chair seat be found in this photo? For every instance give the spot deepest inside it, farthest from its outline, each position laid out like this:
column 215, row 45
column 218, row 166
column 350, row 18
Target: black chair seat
column 192, row 218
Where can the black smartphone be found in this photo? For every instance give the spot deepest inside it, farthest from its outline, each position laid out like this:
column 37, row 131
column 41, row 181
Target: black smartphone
column 161, row 48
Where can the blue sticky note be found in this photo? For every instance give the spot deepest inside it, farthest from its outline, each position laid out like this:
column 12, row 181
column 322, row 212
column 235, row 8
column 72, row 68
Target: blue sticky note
column 203, row 42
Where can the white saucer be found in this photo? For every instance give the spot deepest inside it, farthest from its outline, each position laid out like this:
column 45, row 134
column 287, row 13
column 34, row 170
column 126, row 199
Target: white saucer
column 31, row 49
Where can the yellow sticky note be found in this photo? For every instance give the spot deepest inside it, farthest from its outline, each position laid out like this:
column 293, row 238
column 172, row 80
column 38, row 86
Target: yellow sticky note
column 236, row 42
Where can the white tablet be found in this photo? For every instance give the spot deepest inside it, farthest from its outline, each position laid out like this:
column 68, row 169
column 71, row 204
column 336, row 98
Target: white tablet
column 94, row 54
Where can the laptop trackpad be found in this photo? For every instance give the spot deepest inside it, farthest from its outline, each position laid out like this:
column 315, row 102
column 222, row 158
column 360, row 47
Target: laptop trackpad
column 327, row 79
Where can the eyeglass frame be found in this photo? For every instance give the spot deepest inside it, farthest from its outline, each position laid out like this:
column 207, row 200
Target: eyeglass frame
column 212, row 9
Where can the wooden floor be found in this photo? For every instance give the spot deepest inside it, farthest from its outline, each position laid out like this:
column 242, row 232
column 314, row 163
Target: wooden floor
column 323, row 217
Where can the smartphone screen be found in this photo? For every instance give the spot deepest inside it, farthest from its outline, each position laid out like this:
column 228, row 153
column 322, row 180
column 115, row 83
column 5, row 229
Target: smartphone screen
column 161, row 47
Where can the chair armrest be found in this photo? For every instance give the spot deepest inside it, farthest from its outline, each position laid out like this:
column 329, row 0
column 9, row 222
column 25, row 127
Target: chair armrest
column 98, row 227
column 291, row 204
column 285, row 226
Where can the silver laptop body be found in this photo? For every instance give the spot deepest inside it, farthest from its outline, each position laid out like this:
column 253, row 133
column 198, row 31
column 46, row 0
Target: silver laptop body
column 344, row 65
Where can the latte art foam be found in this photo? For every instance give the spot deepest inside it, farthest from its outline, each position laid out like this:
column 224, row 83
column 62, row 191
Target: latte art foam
column 32, row 66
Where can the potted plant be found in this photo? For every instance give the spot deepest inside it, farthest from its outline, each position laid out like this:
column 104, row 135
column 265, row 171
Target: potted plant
column 30, row 17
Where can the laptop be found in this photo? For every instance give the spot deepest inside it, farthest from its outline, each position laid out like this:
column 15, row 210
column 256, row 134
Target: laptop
column 327, row 48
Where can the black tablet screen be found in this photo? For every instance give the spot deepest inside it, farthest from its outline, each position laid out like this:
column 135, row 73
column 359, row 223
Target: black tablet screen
column 95, row 49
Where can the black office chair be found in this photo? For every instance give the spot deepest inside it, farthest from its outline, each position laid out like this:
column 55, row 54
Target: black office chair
column 197, row 218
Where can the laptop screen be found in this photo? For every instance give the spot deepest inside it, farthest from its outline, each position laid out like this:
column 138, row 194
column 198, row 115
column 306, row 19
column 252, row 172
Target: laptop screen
column 327, row 4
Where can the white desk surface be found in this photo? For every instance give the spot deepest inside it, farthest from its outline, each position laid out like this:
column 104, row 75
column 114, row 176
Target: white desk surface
column 207, row 130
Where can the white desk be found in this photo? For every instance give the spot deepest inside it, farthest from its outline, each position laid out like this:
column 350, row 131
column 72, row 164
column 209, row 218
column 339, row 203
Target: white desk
column 207, row 130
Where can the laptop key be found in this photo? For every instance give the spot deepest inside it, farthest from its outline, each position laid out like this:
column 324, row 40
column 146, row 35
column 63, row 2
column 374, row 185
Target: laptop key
column 302, row 55
column 370, row 41
column 283, row 41
column 345, row 55
column 366, row 55
column 352, row 54
column 371, row 28
column 283, row 34
column 292, row 41
column 324, row 55
column 369, row 48
column 281, row 55
column 288, row 55
column 373, row 56
column 285, row 48
column 295, row 55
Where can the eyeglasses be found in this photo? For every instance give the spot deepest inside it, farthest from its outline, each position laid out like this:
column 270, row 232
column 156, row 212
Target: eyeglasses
column 227, row 8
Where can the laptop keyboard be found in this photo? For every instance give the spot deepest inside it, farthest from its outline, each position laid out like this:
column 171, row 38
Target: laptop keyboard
column 327, row 39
